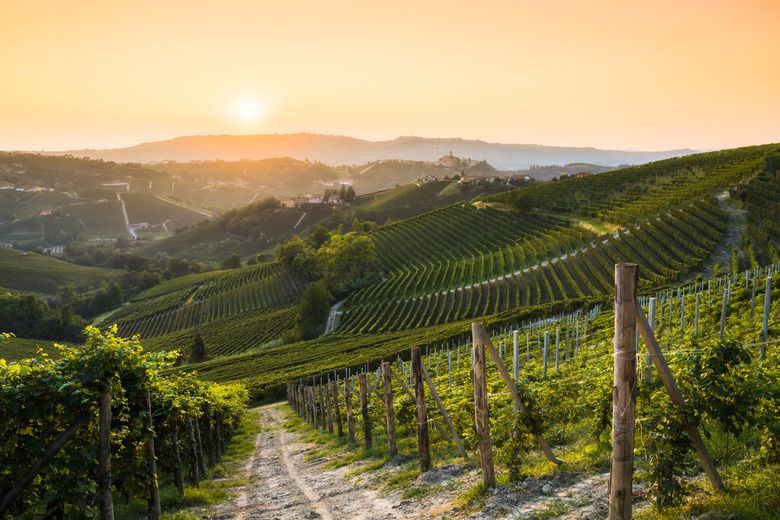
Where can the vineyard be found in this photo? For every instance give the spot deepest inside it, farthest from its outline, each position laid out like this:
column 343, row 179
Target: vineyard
column 101, row 420
column 235, row 310
column 535, row 260
column 718, row 336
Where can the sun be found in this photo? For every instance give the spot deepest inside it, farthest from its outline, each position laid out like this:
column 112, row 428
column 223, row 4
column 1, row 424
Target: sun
column 249, row 110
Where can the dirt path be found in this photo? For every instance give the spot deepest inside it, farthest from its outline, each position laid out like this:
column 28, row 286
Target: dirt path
column 284, row 485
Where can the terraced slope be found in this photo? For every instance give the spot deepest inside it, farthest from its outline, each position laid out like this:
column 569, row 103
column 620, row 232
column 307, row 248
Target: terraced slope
column 214, row 300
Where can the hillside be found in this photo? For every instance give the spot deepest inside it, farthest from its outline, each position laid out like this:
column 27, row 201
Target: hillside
column 478, row 260
column 339, row 150
column 32, row 272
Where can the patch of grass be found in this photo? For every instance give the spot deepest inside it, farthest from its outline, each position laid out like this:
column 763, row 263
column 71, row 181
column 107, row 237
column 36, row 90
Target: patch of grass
column 473, row 495
column 402, row 478
column 754, row 493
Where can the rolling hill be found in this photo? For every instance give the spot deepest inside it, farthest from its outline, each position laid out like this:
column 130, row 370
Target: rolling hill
column 340, row 150
column 676, row 218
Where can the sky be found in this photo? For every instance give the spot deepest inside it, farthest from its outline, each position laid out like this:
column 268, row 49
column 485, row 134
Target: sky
column 623, row 74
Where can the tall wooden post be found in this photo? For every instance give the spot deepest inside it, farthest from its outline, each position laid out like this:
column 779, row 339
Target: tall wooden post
column 723, row 314
column 104, row 455
column 387, row 385
column 481, row 406
column 350, row 415
column 328, row 400
column 623, row 392
column 423, row 444
column 178, row 475
column 209, row 435
column 648, row 361
column 334, row 392
column 194, row 453
column 155, row 511
column 364, row 410
column 323, row 409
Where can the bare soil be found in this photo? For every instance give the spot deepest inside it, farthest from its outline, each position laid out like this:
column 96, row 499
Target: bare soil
column 282, row 484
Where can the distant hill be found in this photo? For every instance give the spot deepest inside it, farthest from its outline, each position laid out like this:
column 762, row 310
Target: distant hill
column 339, row 150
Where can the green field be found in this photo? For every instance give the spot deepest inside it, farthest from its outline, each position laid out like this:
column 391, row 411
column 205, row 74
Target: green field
column 31, row 272
column 16, row 349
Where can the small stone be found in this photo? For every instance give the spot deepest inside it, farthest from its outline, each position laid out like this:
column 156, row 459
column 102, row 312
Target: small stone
column 547, row 489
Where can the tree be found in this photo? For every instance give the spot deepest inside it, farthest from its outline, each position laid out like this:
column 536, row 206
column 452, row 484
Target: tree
column 348, row 262
column 231, row 262
column 319, row 236
column 350, row 194
column 313, row 310
column 199, row 352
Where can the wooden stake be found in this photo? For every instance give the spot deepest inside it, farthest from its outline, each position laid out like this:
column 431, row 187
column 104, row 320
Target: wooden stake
column 323, row 410
column 334, row 393
column 515, row 394
column 445, row 415
column 481, row 414
column 155, row 511
column 677, row 400
column 350, row 415
column 364, row 410
column 328, row 400
column 767, row 303
column 387, row 386
column 178, row 475
column 624, row 392
column 423, row 446
column 104, row 456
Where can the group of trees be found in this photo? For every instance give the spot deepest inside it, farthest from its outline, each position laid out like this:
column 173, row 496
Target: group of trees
column 28, row 315
column 334, row 264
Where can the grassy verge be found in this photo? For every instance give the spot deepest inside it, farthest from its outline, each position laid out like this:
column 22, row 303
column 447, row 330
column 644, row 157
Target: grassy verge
column 215, row 489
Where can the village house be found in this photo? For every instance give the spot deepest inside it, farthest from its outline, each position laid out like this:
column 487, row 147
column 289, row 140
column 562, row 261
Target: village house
column 476, row 180
column 48, row 212
column 429, row 178
column 334, row 199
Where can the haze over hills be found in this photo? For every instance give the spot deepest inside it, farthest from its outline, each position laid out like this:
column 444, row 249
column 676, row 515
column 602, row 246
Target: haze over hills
column 339, row 150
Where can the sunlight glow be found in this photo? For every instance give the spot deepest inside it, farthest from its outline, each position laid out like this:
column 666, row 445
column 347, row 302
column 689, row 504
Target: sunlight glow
column 249, row 110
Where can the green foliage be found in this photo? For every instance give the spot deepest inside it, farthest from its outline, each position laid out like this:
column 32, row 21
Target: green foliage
column 29, row 316
column 313, row 309
column 198, row 350
column 231, row 262
column 41, row 398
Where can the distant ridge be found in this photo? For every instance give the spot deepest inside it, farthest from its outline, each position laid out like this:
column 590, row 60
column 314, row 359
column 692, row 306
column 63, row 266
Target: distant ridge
column 337, row 150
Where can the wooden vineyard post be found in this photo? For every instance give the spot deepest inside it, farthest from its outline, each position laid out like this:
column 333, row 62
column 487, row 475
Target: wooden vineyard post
column 623, row 393
column 387, row 385
column 513, row 389
column 155, row 511
column 104, row 455
column 350, row 415
column 364, row 410
column 648, row 361
column 328, row 400
column 194, row 450
column 677, row 399
column 334, row 392
column 411, row 396
column 209, row 435
column 481, row 404
column 178, row 474
column 423, row 446
column 201, row 463
column 444, row 414
column 313, row 397
column 323, row 410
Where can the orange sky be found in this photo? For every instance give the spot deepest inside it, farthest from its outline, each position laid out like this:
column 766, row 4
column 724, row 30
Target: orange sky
column 609, row 74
